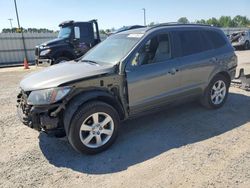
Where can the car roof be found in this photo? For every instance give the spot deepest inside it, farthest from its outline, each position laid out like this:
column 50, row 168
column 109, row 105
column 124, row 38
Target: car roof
column 167, row 25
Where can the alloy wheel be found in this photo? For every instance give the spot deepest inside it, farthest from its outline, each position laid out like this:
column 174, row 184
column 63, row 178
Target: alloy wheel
column 96, row 130
column 218, row 92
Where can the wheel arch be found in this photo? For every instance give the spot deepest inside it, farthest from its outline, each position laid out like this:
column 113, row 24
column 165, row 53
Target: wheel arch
column 226, row 75
column 223, row 73
column 80, row 99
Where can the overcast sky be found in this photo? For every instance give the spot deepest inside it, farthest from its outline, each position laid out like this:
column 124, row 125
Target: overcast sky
column 115, row 13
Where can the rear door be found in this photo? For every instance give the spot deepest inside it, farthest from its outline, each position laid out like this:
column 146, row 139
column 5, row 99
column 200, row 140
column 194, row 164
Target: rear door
column 152, row 75
column 196, row 59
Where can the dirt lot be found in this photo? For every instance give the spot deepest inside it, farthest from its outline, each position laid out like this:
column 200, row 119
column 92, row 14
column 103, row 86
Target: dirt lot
column 187, row 146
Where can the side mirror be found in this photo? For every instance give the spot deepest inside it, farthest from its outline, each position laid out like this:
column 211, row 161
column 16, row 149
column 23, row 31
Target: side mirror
column 77, row 32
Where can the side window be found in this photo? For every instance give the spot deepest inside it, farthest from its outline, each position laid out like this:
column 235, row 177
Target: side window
column 156, row 49
column 216, row 39
column 77, row 32
column 191, row 42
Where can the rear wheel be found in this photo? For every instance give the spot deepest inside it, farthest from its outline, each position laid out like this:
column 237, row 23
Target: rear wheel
column 94, row 127
column 216, row 93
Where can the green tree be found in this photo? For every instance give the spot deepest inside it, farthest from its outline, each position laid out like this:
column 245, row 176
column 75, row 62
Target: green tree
column 108, row 30
column 213, row 21
column 183, row 20
column 226, row 21
column 241, row 21
column 102, row 31
column 151, row 24
column 31, row 30
column 202, row 21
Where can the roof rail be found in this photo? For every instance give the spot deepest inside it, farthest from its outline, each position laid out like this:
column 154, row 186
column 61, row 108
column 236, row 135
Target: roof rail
column 176, row 24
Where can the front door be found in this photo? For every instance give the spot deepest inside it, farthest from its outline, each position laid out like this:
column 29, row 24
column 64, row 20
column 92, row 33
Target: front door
column 152, row 76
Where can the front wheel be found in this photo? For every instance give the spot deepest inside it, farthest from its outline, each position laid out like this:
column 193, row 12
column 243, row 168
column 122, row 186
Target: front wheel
column 94, row 127
column 216, row 93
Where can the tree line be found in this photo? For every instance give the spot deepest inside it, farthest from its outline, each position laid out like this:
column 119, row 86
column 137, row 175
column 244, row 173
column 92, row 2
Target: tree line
column 223, row 21
column 28, row 30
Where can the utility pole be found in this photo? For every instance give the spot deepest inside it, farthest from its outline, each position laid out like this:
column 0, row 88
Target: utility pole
column 144, row 14
column 18, row 22
column 10, row 19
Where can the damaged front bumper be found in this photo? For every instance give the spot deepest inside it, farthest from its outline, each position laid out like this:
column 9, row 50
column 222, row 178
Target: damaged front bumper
column 41, row 118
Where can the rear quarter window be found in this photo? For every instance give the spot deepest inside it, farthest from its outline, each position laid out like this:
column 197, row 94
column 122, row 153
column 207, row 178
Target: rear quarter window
column 216, row 39
column 189, row 42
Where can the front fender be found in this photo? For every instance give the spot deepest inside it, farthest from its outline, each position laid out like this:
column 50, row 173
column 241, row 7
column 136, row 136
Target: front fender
column 73, row 105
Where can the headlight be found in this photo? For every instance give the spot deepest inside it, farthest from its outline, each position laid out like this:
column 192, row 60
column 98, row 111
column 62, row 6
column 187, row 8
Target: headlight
column 44, row 52
column 47, row 96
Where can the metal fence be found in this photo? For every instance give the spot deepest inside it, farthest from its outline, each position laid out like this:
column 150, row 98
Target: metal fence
column 11, row 46
column 12, row 51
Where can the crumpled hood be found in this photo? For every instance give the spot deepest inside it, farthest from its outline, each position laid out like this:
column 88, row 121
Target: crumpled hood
column 65, row 72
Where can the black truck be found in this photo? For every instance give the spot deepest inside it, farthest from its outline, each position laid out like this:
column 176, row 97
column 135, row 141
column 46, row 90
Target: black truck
column 73, row 41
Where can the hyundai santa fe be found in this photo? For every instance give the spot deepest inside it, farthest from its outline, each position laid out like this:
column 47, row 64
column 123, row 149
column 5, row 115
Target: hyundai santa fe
column 128, row 74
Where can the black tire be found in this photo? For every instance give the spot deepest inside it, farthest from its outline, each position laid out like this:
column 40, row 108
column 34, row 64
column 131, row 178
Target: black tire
column 206, row 99
column 81, row 115
column 247, row 45
column 60, row 60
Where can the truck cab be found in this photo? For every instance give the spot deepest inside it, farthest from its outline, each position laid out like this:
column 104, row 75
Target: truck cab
column 74, row 40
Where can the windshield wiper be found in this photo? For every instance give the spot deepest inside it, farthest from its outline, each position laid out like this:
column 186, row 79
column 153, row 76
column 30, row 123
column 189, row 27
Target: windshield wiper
column 89, row 61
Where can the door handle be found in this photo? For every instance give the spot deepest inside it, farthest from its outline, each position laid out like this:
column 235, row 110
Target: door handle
column 173, row 71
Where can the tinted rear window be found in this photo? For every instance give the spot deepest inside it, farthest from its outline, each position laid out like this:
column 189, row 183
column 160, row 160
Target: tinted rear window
column 196, row 41
column 216, row 39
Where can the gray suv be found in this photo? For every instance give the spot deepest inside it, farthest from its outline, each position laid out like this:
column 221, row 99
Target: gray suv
column 128, row 74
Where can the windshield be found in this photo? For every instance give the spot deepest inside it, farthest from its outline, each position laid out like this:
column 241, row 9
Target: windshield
column 64, row 32
column 113, row 49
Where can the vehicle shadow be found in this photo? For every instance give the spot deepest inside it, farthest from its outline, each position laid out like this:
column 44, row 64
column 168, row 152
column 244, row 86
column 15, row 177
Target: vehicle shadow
column 146, row 137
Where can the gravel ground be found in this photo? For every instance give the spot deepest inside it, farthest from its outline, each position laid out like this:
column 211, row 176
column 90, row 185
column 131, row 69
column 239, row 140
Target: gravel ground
column 186, row 146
